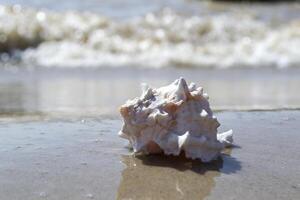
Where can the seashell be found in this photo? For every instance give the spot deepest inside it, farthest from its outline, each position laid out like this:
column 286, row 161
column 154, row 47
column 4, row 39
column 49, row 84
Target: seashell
column 172, row 119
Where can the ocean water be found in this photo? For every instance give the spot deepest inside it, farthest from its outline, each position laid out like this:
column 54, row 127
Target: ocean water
column 143, row 34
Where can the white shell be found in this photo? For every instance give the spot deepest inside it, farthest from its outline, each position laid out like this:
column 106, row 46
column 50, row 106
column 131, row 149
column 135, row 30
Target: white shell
column 172, row 119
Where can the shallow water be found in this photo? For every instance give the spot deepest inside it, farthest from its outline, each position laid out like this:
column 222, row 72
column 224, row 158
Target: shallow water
column 99, row 92
column 83, row 158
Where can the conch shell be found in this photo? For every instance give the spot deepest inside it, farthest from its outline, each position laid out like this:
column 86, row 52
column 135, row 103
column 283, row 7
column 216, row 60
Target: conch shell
column 173, row 119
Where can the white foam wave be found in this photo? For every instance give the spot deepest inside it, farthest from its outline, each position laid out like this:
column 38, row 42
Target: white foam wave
column 165, row 38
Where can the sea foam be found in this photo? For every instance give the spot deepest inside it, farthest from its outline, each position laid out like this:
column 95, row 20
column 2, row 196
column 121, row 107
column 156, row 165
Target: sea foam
column 160, row 39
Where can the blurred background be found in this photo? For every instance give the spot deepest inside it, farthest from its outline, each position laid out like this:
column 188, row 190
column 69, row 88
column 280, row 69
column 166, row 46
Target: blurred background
column 85, row 58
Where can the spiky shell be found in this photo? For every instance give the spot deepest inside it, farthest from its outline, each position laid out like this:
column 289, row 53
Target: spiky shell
column 172, row 119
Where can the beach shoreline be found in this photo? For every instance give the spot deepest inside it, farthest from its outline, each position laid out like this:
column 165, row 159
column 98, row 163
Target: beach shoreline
column 65, row 69
column 96, row 92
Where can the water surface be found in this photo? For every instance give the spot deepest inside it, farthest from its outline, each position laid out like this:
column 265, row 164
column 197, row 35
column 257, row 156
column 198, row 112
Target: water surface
column 101, row 91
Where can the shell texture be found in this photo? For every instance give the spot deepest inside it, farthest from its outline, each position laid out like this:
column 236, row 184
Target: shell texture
column 173, row 119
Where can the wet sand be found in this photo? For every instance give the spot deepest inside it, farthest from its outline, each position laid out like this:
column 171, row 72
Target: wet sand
column 84, row 159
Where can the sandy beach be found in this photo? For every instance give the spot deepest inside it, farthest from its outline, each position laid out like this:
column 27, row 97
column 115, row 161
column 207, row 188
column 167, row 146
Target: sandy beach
column 57, row 145
column 85, row 159
column 66, row 67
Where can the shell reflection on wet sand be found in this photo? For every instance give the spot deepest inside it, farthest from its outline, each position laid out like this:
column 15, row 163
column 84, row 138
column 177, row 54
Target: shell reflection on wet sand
column 170, row 177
